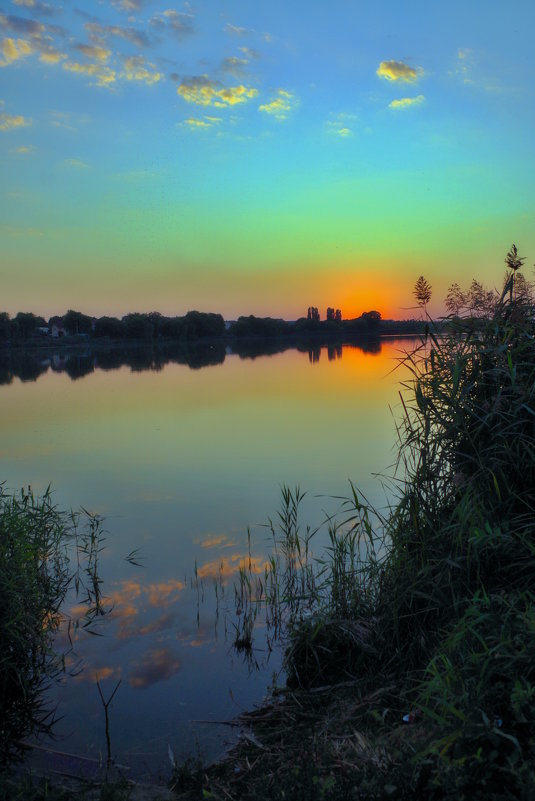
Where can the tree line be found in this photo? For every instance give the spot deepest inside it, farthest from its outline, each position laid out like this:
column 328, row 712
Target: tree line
column 27, row 327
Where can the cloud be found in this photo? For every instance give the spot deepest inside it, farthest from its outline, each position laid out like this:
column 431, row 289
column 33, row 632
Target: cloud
column 37, row 7
column 94, row 51
column 214, row 542
column 228, row 566
column 104, row 76
column 235, row 30
column 100, row 33
column 339, row 124
column 10, row 121
column 75, row 163
column 164, row 593
column 135, row 70
column 281, row 105
column 13, row 50
column 24, row 150
column 157, row 665
column 206, row 122
column 406, row 102
column 398, row 71
column 29, row 27
column 51, row 56
column 128, row 5
column 202, row 91
column 177, row 23
column 250, row 53
column 234, row 66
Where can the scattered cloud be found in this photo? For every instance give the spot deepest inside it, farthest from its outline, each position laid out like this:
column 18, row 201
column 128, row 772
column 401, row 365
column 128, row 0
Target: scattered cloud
column 234, row 66
column 214, row 542
column 94, row 51
column 37, row 7
column 13, row 50
column 406, row 102
column 10, row 121
column 177, row 23
column 51, row 56
column 24, row 150
column 75, row 164
column 235, row 30
column 128, row 5
column 164, row 593
column 340, row 124
column 281, row 105
column 250, row 53
column 28, row 27
column 158, row 664
column 99, row 34
column 136, row 69
column 228, row 566
column 104, row 76
column 398, row 71
column 204, row 124
column 203, row 91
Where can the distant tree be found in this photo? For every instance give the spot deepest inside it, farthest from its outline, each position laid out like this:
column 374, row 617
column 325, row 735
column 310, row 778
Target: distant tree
column 24, row 325
column 455, row 299
column 109, row 327
column 77, row 323
column 5, row 327
column 422, row 292
column 330, row 313
column 203, row 324
column 338, row 316
column 371, row 320
column 137, row 326
column 313, row 314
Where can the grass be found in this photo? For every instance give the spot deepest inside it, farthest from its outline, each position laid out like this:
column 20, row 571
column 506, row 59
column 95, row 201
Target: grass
column 44, row 555
column 427, row 614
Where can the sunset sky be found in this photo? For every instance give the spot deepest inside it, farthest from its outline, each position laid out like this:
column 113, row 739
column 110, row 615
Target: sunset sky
column 258, row 158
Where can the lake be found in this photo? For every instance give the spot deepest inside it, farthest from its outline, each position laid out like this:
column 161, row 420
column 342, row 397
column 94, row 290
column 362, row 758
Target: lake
column 181, row 453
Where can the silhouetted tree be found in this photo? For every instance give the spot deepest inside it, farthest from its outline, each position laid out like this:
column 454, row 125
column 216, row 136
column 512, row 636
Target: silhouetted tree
column 313, row 314
column 24, row 325
column 338, row 316
column 5, row 327
column 330, row 313
column 109, row 327
column 77, row 323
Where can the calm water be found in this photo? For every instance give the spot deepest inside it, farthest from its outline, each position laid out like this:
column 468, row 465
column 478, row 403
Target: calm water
column 180, row 461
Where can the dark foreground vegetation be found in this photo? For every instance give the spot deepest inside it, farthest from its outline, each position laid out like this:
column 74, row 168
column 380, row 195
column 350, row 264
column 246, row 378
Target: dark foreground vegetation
column 411, row 642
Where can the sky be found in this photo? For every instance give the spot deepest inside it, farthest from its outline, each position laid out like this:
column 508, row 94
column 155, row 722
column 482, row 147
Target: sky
column 258, row 158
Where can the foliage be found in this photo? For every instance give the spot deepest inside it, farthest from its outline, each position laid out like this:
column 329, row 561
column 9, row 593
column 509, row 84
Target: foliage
column 422, row 292
column 37, row 546
column 440, row 610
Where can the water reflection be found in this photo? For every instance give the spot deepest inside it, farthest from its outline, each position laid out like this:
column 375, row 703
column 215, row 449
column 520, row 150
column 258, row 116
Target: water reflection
column 29, row 365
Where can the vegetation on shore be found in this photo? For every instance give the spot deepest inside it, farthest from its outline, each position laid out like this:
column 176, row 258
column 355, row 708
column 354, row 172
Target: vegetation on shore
column 411, row 645
column 27, row 329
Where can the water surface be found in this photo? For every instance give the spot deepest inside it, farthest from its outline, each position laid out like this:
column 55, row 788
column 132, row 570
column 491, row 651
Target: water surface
column 180, row 459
